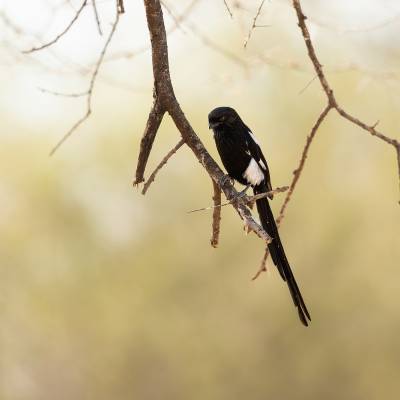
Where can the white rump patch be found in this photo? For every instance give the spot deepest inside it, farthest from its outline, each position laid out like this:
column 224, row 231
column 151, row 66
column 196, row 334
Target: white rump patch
column 253, row 173
column 253, row 137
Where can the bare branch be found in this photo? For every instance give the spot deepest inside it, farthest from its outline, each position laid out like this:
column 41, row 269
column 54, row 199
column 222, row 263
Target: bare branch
column 326, row 87
column 216, row 221
column 81, row 94
column 60, row 35
column 164, row 94
column 90, row 89
column 332, row 104
column 254, row 25
column 162, row 163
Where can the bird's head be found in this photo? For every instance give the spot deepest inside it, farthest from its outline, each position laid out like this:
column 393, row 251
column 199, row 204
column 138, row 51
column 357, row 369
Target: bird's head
column 221, row 116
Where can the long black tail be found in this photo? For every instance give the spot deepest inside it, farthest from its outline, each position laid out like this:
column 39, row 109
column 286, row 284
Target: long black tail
column 278, row 254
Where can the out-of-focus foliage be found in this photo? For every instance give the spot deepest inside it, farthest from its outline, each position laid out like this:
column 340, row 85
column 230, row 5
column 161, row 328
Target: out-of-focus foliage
column 105, row 294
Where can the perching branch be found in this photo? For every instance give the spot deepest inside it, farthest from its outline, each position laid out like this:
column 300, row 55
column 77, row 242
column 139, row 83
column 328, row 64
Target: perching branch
column 164, row 96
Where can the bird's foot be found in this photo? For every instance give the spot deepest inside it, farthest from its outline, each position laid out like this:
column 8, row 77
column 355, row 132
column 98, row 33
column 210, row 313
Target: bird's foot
column 243, row 192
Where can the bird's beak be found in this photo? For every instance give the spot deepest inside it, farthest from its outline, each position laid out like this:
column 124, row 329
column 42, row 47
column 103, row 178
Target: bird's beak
column 212, row 125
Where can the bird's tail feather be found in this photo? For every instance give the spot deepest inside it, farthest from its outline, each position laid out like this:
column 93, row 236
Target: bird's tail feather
column 278, row 254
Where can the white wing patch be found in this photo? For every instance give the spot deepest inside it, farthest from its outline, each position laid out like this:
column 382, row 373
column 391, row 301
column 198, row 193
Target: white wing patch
column 263, row 166
column 253, row 137
column 253, row 173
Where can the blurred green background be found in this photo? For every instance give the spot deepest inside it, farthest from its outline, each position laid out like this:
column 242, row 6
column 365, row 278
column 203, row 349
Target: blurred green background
column 106, row 294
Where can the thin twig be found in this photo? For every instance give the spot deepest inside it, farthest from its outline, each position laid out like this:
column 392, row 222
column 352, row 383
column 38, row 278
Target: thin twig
column 96, row 16
column 81, row 94
column 297, row 172
column 90, row 89
column 162, row 163
column 130, row 54
column 253, row 26
column 247, row 199
column 263, row 266
column 60, row 35
column 216, row 220
column 308, row 84
column 296, row 175
column 228, row 9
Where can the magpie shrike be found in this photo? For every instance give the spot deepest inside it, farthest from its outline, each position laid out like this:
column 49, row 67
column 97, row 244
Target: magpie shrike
column 244, row 161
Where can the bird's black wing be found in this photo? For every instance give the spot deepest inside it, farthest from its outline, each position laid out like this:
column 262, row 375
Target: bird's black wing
column 256, row 153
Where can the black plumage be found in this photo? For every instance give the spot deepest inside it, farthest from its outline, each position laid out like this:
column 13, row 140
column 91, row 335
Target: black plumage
column 244, row 161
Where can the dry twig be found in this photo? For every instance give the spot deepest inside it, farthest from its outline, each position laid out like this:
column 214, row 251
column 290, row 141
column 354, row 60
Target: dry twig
column 162, row 163
column 216, row 221
column 249, row 200
column 254, row 24
column 332, row 104
column 60, row 35
column 89, row 92
column 96, row 17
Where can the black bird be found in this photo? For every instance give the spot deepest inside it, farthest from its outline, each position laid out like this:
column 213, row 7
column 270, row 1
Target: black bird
column 244, row 161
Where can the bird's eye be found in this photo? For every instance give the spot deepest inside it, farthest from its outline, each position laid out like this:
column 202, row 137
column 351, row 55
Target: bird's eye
column 223, row 118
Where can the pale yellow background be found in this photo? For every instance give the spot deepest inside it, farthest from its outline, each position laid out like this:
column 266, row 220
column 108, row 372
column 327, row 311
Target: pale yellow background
column 106, row 294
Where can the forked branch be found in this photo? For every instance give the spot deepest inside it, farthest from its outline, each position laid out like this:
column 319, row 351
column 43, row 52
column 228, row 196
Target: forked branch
column 165, row 101
column 332, row 104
